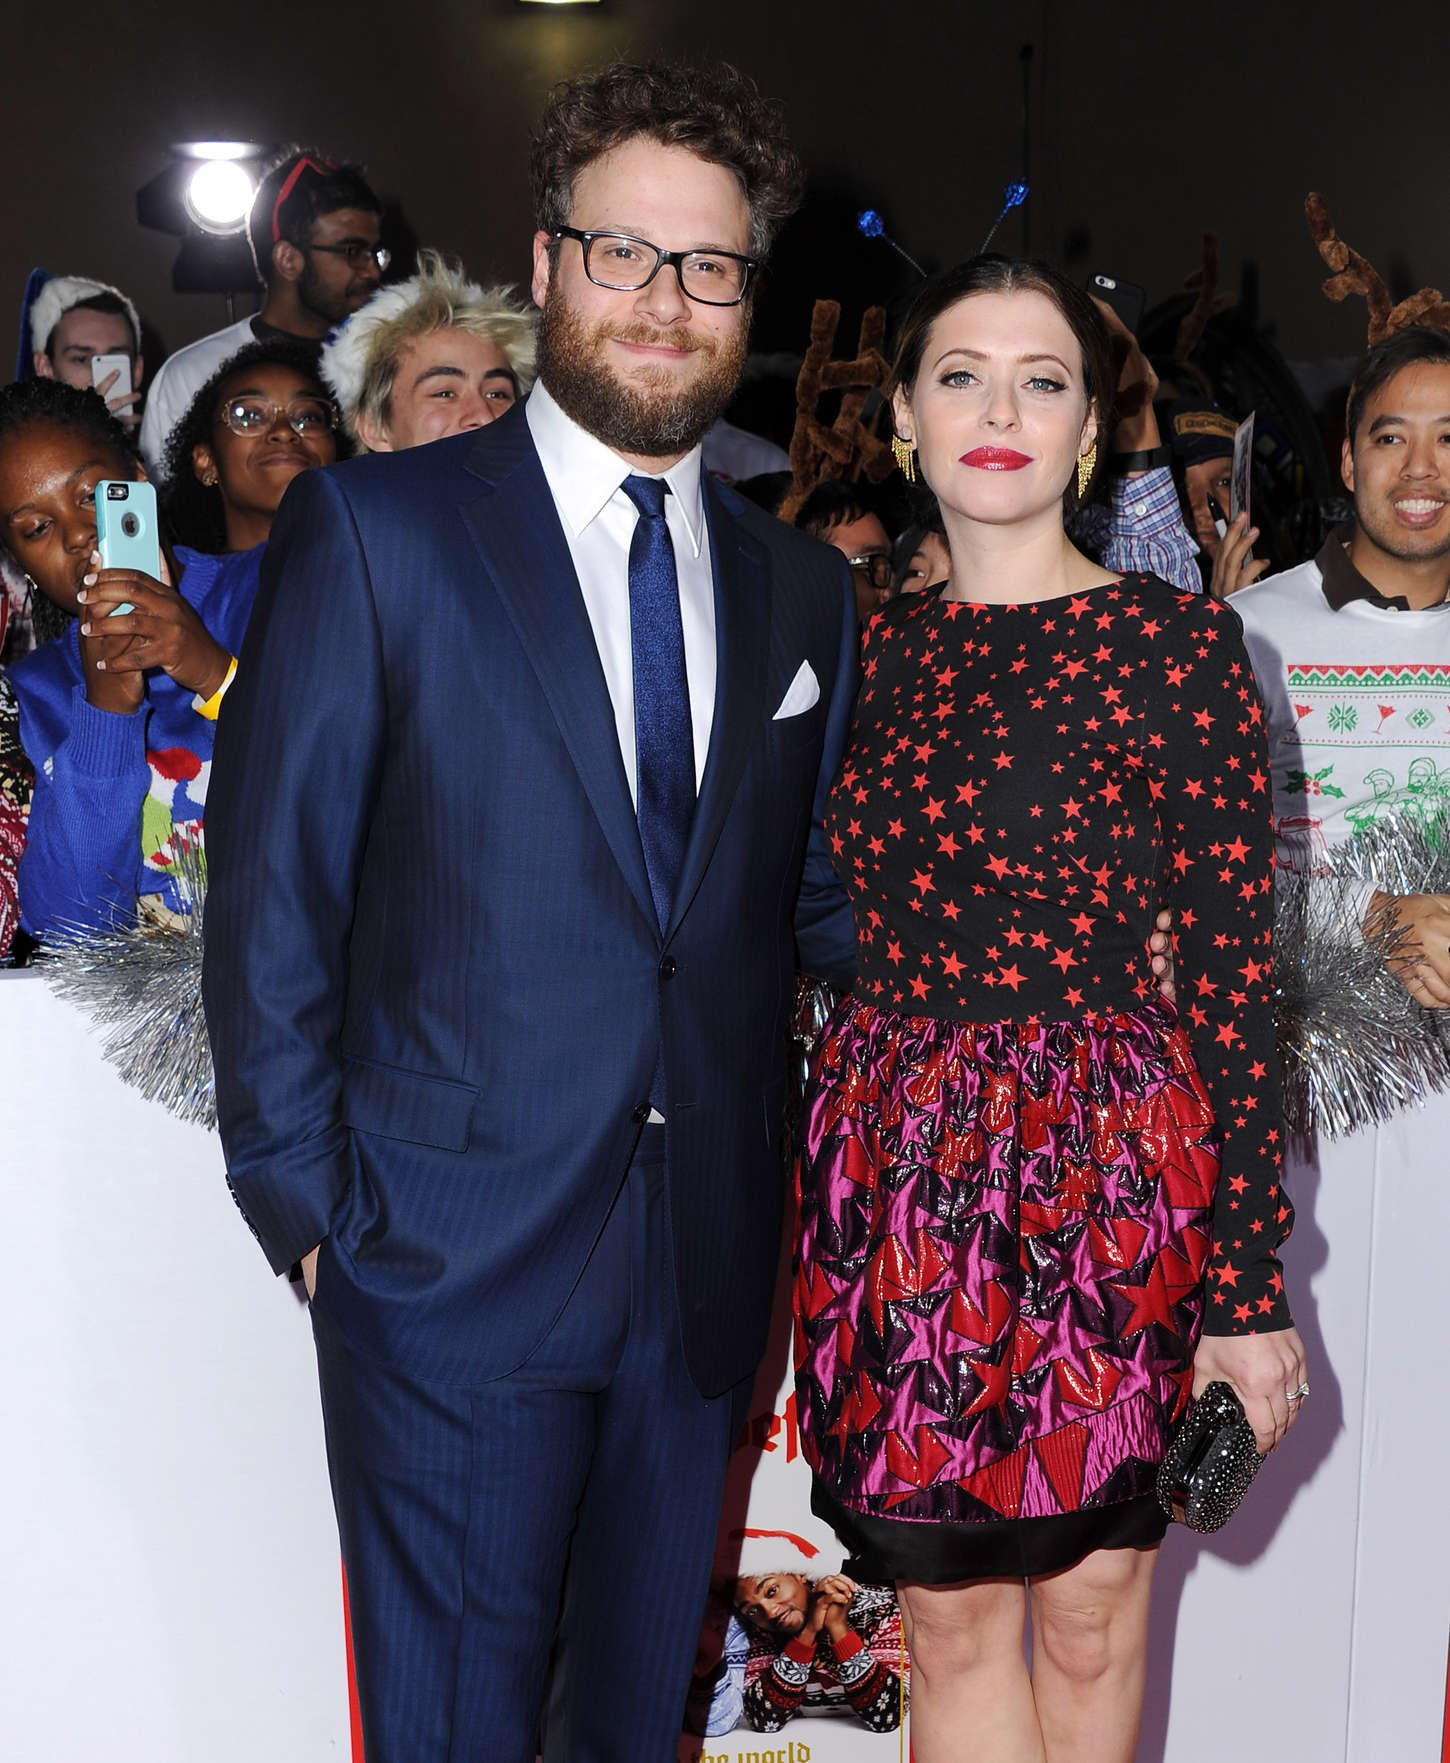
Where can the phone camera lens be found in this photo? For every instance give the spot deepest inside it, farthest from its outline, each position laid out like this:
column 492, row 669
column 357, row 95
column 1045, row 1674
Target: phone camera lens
column 115, row 492
column 130, row 525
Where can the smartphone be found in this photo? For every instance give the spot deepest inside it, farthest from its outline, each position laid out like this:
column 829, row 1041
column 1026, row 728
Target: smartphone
column 103, row 366
column 127, row 534
column 1127, row 299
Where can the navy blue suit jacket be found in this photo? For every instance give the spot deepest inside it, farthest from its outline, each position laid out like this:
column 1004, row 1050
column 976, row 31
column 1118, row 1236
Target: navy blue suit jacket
column 434, row 979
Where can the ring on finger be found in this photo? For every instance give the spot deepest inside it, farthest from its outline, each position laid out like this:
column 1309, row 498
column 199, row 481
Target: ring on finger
column 1297, row 1395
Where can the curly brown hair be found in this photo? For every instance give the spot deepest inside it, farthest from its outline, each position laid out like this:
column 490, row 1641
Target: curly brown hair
column 714, row 112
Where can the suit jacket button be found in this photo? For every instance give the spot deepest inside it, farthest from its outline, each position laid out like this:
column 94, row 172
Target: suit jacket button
column 669, row 967
column 640, row 1114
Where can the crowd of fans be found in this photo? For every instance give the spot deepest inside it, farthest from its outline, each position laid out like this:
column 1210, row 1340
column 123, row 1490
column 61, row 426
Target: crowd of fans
column 335, row 361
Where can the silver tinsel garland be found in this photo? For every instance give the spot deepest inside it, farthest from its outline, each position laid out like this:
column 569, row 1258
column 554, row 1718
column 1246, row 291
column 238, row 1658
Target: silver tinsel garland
column 1354, row 1046
column 140, row 984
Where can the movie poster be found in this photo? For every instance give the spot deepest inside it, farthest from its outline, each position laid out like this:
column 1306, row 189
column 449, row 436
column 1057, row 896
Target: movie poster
column 796, row 1662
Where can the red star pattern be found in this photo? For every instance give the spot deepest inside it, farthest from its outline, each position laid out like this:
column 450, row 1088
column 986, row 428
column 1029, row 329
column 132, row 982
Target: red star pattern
column 1024, row 786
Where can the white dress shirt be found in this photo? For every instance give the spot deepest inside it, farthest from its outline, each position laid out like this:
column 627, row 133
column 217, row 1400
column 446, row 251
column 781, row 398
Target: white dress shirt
column 584, row 477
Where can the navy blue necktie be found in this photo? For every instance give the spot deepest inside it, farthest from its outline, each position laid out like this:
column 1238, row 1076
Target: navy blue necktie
column 664, row 746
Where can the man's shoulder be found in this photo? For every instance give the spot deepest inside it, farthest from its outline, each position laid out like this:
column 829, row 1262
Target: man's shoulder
column 200, row 357
column 1290, row 593
column 801, row 550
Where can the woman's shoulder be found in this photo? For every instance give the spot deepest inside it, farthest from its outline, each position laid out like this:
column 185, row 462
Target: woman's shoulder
column 51, row 669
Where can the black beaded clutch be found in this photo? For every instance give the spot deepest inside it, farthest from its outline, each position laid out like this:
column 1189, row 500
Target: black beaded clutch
column 1210, row 1462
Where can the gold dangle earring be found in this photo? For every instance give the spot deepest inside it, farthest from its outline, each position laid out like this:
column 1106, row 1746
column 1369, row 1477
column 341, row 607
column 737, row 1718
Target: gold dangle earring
column 905, row 455
column 1086, row 465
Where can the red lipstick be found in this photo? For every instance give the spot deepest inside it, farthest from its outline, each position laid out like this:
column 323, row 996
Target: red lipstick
column 996, row 459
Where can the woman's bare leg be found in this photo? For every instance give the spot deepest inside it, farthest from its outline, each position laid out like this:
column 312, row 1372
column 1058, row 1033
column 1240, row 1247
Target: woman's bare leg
column 971, row 1697
column 1089, row 1655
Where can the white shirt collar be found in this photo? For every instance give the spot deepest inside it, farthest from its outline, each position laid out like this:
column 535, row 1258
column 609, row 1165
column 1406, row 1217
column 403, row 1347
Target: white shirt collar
column 584, row 474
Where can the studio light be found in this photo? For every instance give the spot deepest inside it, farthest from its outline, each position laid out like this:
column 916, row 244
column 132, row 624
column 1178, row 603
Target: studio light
column 202, row 198
column 218, row 194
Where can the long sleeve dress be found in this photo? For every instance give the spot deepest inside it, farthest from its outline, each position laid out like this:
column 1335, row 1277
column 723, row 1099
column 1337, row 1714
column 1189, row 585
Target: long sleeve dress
column 1027, row 1183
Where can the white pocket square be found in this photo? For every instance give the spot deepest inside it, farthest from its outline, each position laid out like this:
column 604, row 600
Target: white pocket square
column 803, row 691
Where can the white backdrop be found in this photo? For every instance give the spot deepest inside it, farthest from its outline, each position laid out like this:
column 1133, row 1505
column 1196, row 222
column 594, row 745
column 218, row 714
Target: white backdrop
column 169, row 1558
column 168, row 1555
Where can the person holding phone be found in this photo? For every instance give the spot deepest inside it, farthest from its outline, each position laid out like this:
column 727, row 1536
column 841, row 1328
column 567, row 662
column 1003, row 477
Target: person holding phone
column 86, row 333
column 117, row 707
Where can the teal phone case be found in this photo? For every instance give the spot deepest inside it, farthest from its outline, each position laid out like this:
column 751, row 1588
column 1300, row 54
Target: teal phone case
column 127, row 534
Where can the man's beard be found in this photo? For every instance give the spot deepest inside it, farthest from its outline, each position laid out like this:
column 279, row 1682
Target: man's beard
column 641, row 416
column 315, row 297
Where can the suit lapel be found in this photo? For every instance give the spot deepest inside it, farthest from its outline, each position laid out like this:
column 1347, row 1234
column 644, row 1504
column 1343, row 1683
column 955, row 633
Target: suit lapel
column 742, row 639
column 516, row 528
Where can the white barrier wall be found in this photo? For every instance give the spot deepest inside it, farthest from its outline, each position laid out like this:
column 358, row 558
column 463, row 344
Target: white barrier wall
column 169, row 1557
column 168, row 1554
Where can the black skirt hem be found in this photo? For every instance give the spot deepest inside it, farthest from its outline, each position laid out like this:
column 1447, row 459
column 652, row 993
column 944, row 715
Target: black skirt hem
column 884, row 1550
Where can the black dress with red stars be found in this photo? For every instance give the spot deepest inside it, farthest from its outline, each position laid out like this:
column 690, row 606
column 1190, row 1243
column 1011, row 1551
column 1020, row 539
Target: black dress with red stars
column 1026, row 1182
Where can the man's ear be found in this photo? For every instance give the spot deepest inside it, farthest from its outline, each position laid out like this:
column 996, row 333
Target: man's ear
column 287, row 260
column 1346, row 464
column 41, row 362
column 372, row 434
column 138, row 372
column 539, row 285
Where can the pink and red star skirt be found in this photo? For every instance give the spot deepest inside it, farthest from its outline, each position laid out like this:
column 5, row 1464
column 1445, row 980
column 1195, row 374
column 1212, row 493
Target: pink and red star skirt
column 1004, row 1230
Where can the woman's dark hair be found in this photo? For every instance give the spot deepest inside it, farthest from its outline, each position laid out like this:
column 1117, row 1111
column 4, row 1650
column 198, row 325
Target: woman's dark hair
column 194, row 510
column 27, row 404
column 1401, row 349
column 992, row 274
column 714, row 112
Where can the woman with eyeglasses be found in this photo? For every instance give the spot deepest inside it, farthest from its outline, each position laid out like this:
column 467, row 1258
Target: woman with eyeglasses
column 261, row 418
column 118, row 702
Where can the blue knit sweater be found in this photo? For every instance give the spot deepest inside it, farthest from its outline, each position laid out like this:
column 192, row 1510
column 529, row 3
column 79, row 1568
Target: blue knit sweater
column 117, row 796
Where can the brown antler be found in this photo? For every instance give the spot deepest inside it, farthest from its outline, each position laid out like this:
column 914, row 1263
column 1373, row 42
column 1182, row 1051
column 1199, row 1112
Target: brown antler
column 844, row 447
column 1209, row 301
column 1353, row 274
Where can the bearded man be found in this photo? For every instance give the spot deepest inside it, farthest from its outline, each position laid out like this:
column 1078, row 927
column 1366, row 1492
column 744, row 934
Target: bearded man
column 513, row 852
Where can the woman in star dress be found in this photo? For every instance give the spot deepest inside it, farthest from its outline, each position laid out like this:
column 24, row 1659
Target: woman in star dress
column 1038, row 1207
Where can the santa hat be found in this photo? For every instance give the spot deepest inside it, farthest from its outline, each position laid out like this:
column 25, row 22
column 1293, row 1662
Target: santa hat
column 751, row 1554
column 47, row 300
column 344, row 360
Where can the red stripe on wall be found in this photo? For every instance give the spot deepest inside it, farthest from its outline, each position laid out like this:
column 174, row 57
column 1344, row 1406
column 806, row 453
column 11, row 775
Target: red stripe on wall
column 1445, row 1740
column 354, row 1712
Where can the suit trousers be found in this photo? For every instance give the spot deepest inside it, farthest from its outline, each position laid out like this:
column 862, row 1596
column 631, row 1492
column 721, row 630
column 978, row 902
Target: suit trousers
column 540, row 1541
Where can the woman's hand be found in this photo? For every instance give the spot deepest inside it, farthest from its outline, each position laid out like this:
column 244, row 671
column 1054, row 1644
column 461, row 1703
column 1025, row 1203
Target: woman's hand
column 1160, row 943
column 1264, row 1371
column 162, row 629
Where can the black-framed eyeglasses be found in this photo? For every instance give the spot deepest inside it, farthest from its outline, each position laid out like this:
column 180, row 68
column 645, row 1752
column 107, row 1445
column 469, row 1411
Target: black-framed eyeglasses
column 258, row 416
column 875, row 566
column 357, row 253
column 626, row 264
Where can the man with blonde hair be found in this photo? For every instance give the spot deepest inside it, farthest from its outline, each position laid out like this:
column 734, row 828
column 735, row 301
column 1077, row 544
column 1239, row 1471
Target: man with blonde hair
column 435, row 355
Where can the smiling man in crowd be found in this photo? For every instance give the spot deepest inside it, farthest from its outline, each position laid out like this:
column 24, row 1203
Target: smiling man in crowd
column 512, row 855
column 1352, row 650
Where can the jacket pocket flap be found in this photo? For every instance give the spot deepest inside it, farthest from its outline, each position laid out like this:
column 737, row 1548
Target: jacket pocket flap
column 397, row 1104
